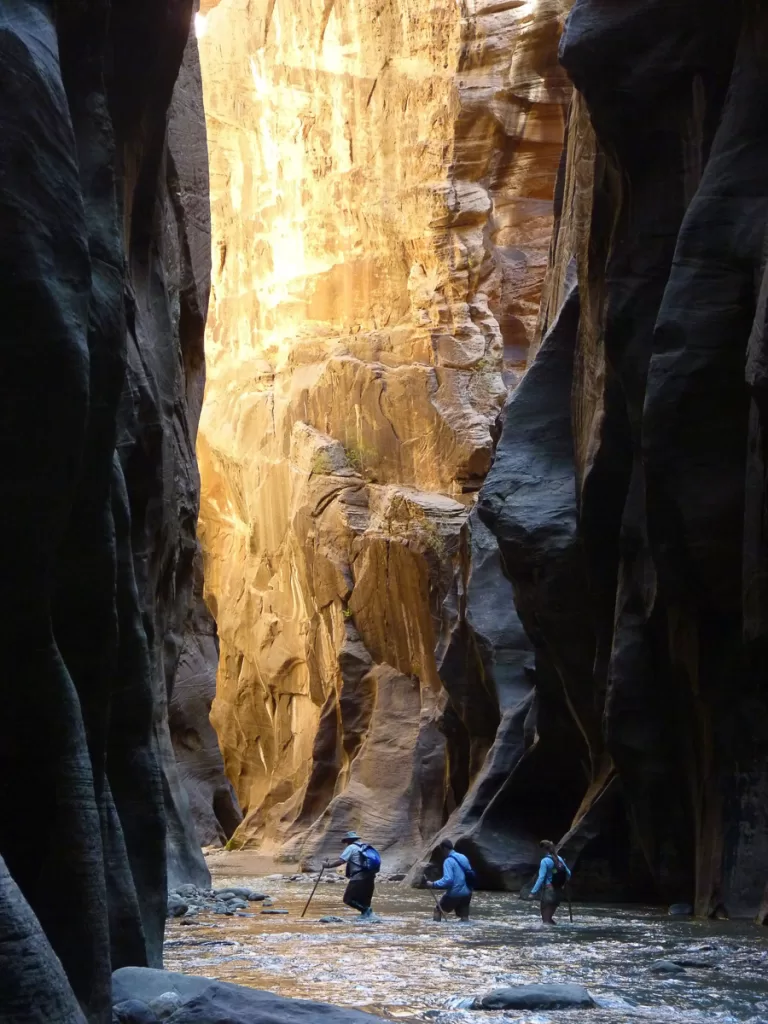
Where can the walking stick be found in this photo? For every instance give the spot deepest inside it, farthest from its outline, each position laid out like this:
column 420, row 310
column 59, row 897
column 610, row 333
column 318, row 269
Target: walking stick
column 437, row 904
column 568, row 897
column 306, row 905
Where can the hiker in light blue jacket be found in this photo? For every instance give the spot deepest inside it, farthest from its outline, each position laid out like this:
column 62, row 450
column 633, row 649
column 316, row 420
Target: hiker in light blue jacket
column 554, row 874
column 456, row 880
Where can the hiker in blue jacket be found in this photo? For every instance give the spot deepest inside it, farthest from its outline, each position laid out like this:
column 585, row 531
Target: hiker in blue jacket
column 457, row 873
column 362, row 880
column 553, row 875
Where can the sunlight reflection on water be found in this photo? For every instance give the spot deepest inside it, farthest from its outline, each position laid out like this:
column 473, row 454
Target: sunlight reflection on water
column 409, row 968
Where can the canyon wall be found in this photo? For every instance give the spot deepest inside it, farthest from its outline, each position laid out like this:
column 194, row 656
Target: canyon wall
column 104, row 276
column 382, row 174
column 628, row 493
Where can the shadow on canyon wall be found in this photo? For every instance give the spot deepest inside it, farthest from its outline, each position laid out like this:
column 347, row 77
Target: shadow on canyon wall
column 104, row 278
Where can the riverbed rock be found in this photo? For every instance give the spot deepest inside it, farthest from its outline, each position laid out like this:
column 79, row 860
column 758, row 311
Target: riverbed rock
column 273, row 910
column 330, row 919
column 133, row 1011
column 666, row 967
column 536, row 997
column 166, row 1004
column 177, row 907
column 204, row 1000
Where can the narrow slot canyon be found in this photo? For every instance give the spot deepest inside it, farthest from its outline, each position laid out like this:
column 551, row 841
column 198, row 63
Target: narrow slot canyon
column 383, row 449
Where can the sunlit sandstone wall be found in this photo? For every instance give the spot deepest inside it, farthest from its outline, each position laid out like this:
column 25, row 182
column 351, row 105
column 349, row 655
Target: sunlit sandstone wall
column 381, row 189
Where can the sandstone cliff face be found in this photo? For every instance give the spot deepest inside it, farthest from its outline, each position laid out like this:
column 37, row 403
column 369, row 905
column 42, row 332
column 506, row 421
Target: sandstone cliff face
column 103, row 280
column 628, row 491
column 381, row 194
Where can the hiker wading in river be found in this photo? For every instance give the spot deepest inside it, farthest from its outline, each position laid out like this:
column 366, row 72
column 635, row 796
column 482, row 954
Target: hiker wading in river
column 362, row 863
column 458, row 880
column 554, row 874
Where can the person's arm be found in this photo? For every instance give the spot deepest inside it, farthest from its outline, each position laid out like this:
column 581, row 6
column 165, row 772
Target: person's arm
column 345, row 856
column 545, row 861
column 448, row 874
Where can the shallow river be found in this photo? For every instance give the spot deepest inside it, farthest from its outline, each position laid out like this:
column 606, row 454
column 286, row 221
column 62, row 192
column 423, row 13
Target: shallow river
column 410, row 968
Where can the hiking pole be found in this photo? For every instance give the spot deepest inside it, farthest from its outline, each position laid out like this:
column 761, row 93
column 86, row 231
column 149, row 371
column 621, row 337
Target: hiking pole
column 568, row 897
column 437, row 904
column 306, row 905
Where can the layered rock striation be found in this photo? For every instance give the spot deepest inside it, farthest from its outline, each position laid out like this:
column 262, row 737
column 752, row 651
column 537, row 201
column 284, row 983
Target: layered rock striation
column 381, row 193
column 628, row 491
column 104, row 276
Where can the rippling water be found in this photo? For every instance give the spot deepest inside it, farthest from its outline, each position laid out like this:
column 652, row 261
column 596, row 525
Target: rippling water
column 410, row 968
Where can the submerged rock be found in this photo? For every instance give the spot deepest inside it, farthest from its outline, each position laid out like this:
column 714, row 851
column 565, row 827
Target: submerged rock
column 203, row 1000
column 666, row 967
column 536, row 997
column 330, row 919
column 273, row 910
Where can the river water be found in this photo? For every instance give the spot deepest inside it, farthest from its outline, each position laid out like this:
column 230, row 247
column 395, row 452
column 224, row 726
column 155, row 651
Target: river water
column 409, row 968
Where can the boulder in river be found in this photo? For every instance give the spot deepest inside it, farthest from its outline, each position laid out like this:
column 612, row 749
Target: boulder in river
column 536, row 997
column 241, row 893
column 204, row 1000
column 176, row 907
column 681, row 910
column 666, row 967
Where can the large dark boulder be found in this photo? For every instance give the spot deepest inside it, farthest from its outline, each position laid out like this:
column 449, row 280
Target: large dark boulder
column 537, row 997
column 205, row 1001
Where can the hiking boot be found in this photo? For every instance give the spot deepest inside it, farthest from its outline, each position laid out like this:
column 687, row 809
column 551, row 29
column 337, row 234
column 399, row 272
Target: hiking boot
column 368, row 912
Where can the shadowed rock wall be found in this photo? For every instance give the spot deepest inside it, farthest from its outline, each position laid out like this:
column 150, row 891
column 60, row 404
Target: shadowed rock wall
column 628, row 491
column 104, row 279
column 381, row 189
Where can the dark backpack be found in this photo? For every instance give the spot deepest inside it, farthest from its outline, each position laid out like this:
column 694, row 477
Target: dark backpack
column 371, row 858
column 469, row 875
column 559, row 875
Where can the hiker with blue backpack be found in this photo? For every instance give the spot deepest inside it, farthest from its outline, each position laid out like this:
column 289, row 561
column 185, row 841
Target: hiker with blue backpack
column 554, row 874
column 363, row 863
column 458, row 881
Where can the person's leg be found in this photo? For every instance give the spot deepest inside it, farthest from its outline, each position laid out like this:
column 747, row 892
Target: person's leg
column 365, row 896
column 352, row 896
column 462, row 910
column 444, row 908
column 547, row 910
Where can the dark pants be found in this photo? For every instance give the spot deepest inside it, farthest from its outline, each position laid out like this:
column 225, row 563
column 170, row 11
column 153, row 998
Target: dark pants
column 459, row 904
column 551, row 899
column 359, row 892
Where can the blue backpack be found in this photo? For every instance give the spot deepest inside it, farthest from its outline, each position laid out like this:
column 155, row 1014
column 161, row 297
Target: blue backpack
column 469, row 875
column 371, row 858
